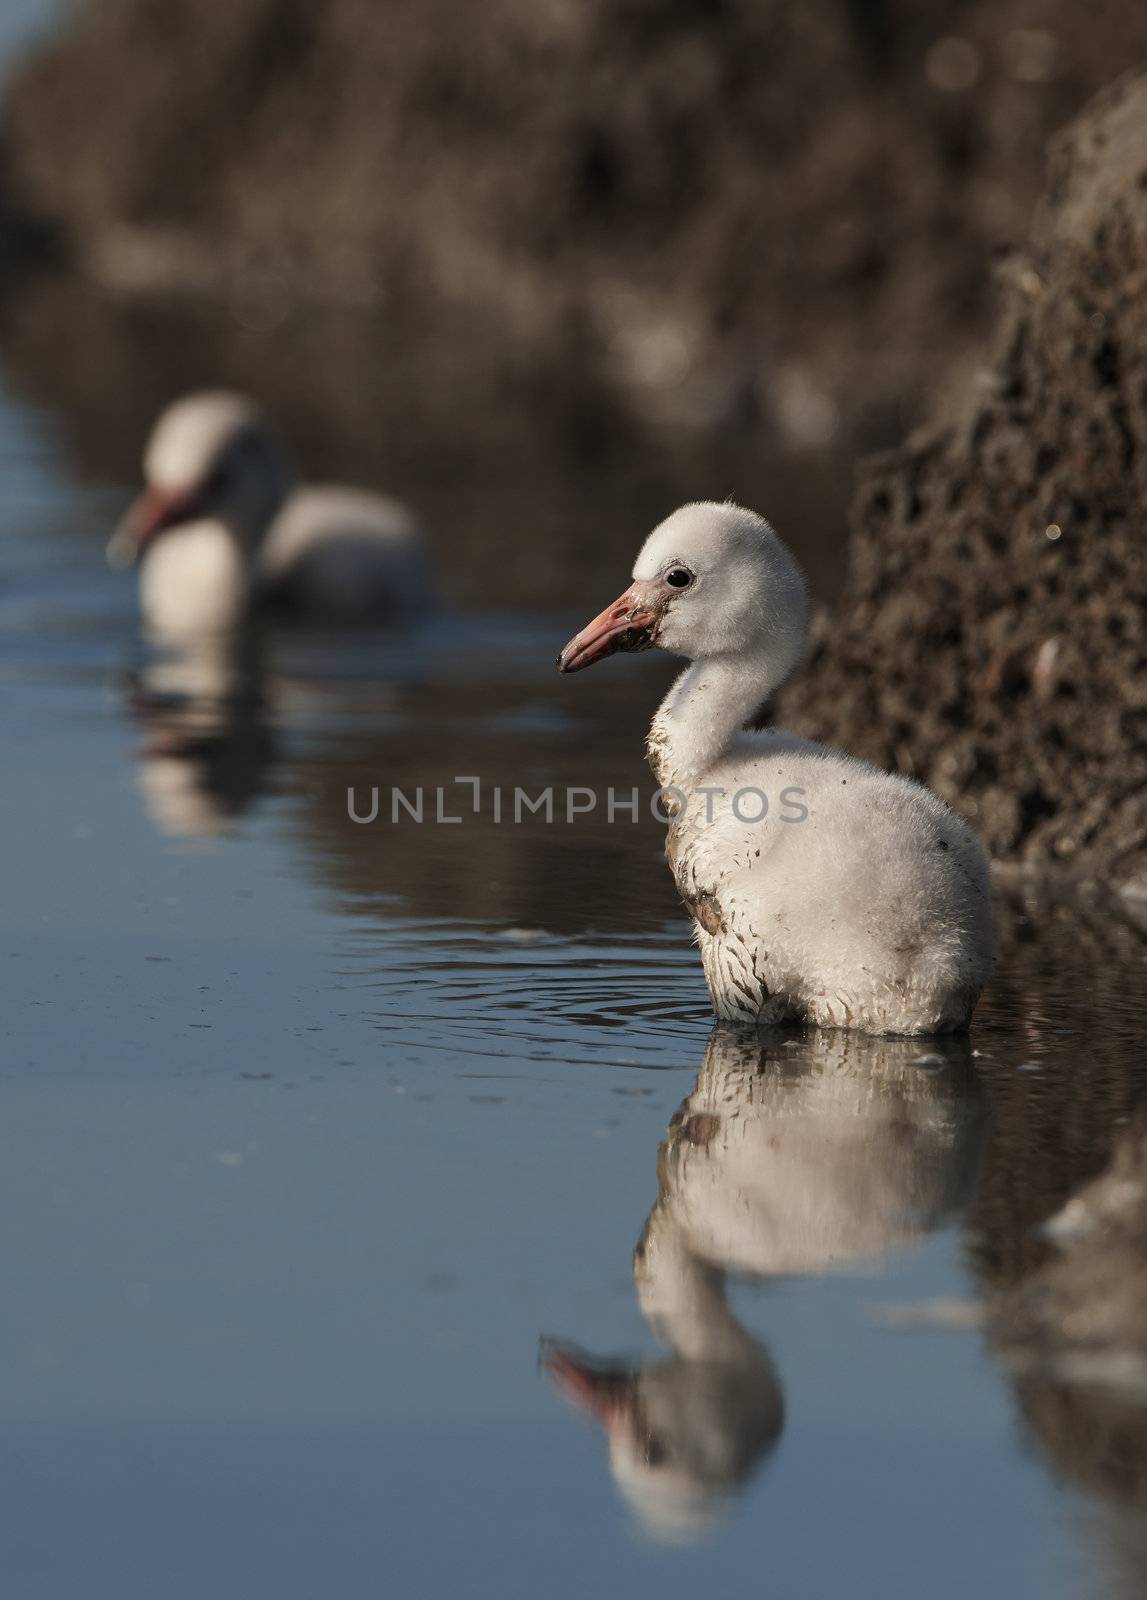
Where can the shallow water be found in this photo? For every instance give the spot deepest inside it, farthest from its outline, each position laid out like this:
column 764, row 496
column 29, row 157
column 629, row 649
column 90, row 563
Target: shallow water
column 351, row 1168
column 312, row 1131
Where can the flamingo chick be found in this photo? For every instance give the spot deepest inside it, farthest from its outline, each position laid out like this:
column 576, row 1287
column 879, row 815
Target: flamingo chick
column 857, row 899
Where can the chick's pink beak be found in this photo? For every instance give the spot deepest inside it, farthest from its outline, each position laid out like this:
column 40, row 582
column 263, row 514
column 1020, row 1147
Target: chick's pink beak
column 630, row 623
column 594, row 1389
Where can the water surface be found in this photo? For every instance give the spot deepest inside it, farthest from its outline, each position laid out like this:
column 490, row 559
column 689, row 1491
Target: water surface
column 312, row 1131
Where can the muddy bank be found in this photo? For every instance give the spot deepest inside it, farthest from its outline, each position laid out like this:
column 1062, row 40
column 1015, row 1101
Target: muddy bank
column 741, row 212
column 993, row 633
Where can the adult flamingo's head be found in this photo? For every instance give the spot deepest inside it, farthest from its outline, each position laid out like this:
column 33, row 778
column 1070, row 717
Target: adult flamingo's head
column 211, row 457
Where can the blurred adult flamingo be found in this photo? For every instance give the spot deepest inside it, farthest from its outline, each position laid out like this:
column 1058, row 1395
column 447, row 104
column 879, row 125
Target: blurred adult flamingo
column 219, row 531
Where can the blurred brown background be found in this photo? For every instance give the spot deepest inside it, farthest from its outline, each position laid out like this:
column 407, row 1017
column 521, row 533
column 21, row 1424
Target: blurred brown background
column 739, row 213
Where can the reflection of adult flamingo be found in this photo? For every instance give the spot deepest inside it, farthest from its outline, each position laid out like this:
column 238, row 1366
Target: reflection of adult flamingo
column 871, row 911
column 778, row 1162
column 219, row 530
column 208, row 745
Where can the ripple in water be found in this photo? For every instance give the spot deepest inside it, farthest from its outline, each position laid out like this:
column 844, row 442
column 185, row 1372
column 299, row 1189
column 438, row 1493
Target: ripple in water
column 526, row 995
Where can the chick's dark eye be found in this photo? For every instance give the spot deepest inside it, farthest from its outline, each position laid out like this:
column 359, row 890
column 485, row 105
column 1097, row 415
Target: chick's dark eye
column 679, row 577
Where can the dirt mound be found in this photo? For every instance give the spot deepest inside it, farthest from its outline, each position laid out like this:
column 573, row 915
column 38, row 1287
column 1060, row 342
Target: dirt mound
column 750, row 212
column 993, row 633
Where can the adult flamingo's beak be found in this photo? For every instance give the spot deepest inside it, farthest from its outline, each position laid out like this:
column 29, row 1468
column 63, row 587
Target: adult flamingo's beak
column 630, row 623
column 155, row 510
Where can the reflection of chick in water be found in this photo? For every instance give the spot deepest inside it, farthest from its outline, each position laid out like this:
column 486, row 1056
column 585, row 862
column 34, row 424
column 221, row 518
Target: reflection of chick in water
column 686, row 1431
column 790, row 1156
column 207, row 745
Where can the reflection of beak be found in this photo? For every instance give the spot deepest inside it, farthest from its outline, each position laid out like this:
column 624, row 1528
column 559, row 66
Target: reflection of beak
column 628, row 624
column 155, row 510
column 603, row 1392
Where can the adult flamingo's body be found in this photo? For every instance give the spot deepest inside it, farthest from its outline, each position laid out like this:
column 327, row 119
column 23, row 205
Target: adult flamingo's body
column 220, row 532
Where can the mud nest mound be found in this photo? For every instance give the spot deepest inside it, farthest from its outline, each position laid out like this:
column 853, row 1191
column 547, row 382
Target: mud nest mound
column 993, row 633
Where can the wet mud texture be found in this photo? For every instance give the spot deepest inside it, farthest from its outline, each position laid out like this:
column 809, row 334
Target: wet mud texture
column 746, row 213
column 992, row 637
